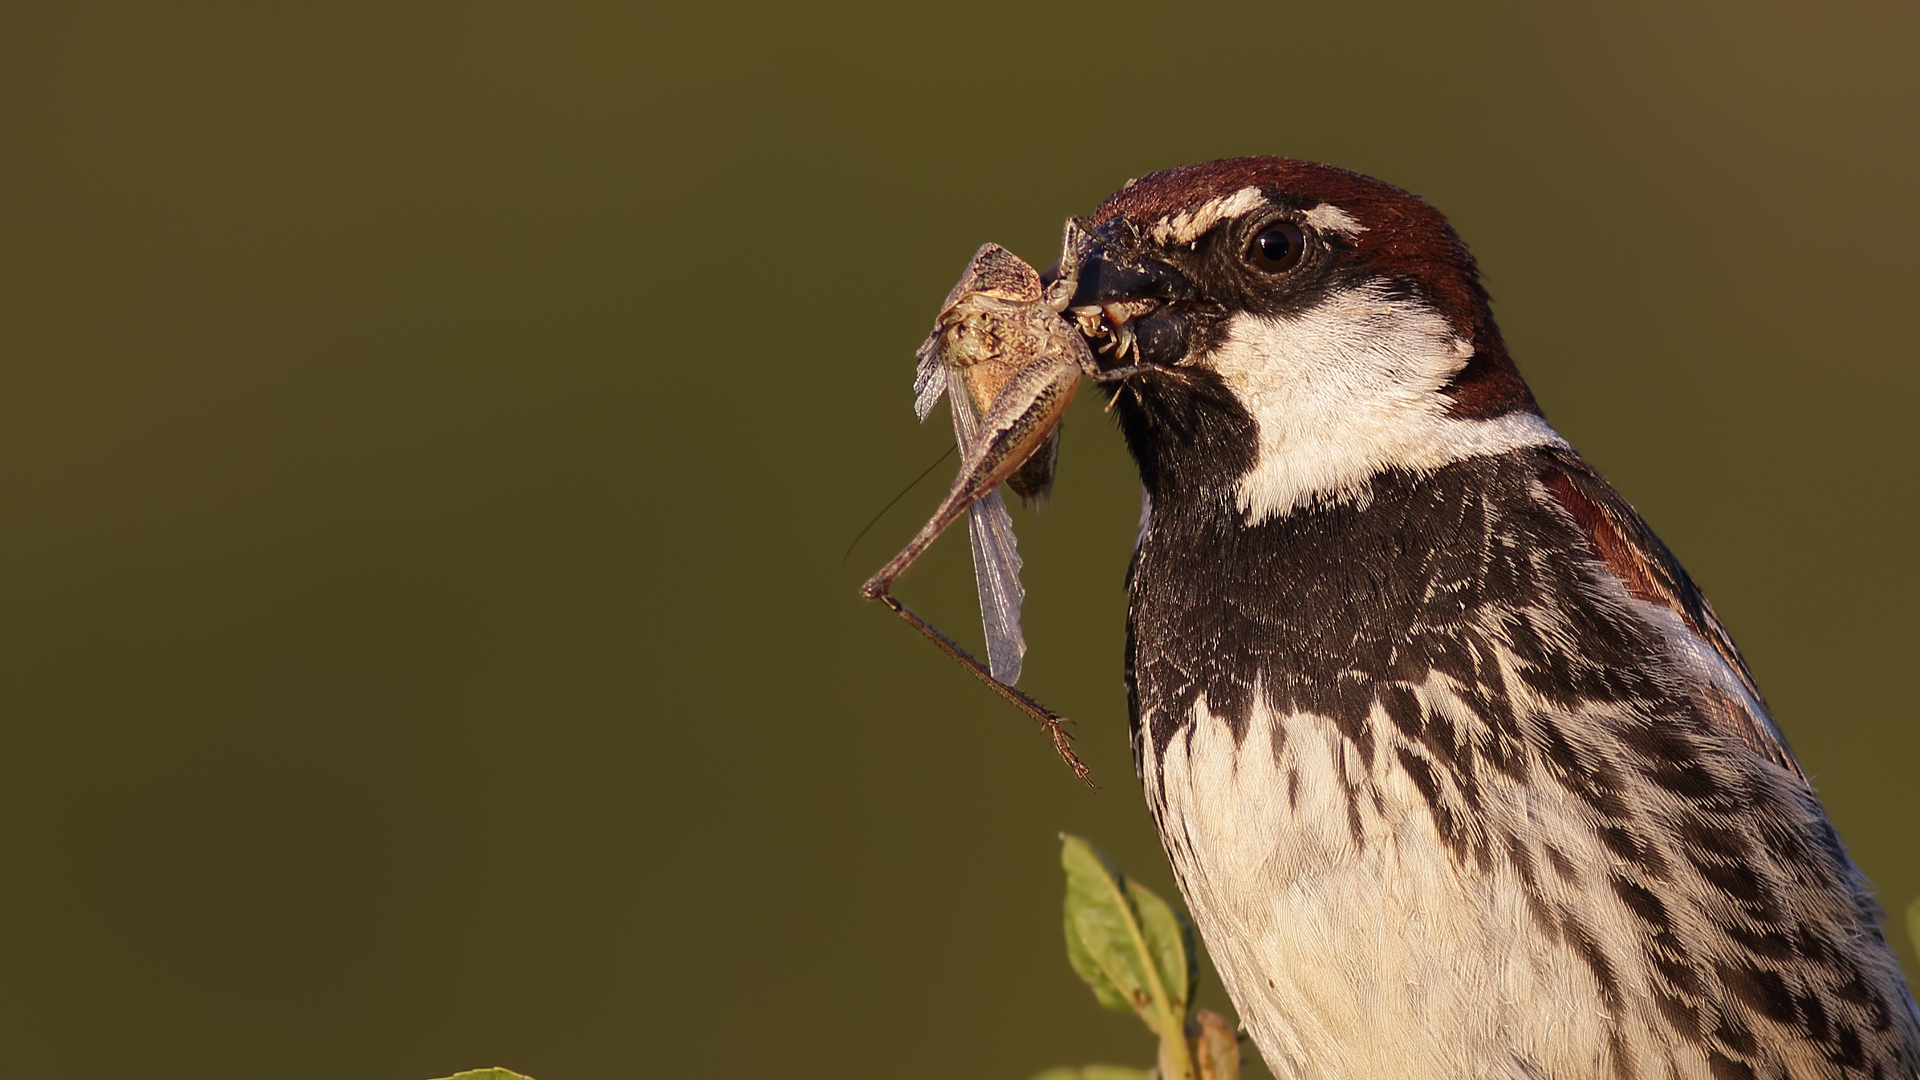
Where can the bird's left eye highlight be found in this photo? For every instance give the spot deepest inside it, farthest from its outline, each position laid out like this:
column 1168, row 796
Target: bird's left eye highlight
column 1277, row 247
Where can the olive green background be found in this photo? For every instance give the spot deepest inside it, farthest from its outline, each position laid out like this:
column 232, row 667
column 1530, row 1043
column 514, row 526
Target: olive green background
column 429, row 435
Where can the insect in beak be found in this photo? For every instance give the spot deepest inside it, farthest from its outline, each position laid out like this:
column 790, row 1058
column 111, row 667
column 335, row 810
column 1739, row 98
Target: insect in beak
column 1008, row 362
column 1009, row 366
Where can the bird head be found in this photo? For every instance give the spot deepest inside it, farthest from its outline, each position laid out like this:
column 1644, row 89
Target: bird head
column 1299, row 329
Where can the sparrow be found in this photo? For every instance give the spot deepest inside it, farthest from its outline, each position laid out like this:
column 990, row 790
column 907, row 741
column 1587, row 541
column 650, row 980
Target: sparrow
column 1458, row 771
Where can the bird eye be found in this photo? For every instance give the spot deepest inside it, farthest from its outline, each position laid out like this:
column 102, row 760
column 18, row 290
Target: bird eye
column 1278, row 247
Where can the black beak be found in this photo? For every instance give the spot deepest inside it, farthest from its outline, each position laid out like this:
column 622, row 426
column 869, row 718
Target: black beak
column 1106, row 278
column 1132, row 308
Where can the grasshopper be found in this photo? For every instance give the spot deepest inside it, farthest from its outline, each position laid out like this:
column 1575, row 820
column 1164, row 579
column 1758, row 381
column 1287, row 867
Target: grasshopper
column 1009, row 362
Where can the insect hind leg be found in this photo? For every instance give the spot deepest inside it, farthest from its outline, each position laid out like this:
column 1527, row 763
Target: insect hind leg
column 1047, row 718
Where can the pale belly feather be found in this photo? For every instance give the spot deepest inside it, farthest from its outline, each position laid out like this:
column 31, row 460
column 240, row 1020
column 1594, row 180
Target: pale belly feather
column 1376, row 955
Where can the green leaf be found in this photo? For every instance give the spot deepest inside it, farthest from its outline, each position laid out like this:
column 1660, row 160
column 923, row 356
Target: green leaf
column 486, row 1074
column 1913, row 923
column 1096, row 1072
column 1131, row 948
column 1170, row 943
column 1104, row 991
column 1104, row 940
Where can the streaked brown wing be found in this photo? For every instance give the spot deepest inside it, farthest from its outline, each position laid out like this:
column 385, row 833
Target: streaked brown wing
column 1628, row 548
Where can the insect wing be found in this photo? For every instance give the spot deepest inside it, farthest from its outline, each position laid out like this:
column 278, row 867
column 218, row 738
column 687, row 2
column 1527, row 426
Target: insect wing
column 1024, row 418
column 996, row 559
column 929, row 379
column 996, row 574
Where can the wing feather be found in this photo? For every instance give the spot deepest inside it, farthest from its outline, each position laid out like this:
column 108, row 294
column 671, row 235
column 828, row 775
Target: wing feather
column 1628, row 548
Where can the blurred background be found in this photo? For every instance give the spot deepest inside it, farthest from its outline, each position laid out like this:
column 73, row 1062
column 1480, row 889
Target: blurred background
column 430, row 435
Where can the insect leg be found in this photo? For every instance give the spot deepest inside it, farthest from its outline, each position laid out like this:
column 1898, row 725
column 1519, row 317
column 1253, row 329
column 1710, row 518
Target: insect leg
column 1047, row 718
column 1120, row 374
column 1027, row 410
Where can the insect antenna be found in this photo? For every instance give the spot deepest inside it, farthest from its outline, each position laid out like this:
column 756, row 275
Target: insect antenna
column 903, row 494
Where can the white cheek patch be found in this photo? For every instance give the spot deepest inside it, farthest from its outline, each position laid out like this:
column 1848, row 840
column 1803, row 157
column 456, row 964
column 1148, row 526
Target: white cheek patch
column 1329, row 218
column 1348, row 389
column 1189, row 225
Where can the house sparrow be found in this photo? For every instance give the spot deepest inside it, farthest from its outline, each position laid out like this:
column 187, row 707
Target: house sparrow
column 1458, row 771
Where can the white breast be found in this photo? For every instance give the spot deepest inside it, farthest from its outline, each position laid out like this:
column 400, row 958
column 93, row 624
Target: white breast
column 1383, row 957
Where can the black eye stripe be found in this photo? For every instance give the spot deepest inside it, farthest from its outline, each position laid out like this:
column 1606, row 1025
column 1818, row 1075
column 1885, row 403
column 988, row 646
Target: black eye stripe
column 1277, row 247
